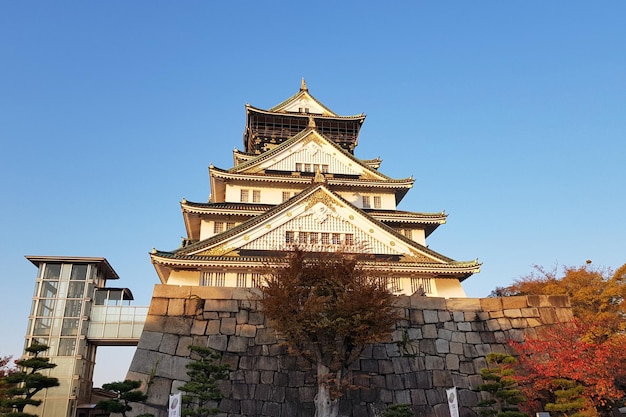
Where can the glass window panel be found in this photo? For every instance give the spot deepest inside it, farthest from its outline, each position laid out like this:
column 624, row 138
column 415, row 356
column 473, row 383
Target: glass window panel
column 52, row 271
column 67, row 346
column 69, row 327
column 76, row 290
column 73, row 308
column 46, row 307
column 101, row 297
column 79, row 272
column 42, row 327
column 49, row 289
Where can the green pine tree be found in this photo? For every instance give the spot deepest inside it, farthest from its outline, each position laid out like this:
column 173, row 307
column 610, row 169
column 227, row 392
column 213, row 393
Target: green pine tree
column 499, row 382
column 569, row 400
column 127, row 392
column 27, row 382
column 201, row 394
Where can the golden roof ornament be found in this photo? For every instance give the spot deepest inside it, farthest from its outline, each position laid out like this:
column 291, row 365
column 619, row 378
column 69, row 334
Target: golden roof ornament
column 303, row 85
column 319, row 177
column 311, row 123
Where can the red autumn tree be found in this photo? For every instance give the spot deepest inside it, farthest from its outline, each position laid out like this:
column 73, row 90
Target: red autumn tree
column 328, row 308
column 568, row 352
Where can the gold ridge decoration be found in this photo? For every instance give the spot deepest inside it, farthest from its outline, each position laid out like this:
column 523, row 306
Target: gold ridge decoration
column 415, row 256
column 321, row 197
column 313, row 138
column 218, row 251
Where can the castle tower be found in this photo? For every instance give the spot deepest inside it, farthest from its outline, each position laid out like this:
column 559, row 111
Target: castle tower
column 298, row 182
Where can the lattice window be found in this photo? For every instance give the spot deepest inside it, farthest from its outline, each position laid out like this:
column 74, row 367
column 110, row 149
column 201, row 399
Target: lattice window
column 242, row 279
column 394, row 284
column 290, row 237
column 336, row 239
column 256, row 196
column 349, row 239
column 377, row 202
column 302, row 237
column 257, row 280
column 313, row 238
column 206, row 279
column 366, row 201
column 421, row 286
column 325, row 238
column 286, row 195
column 243, row 196
column 218, row 227
column 220, row 279
column 230, row 225
column 408, row 233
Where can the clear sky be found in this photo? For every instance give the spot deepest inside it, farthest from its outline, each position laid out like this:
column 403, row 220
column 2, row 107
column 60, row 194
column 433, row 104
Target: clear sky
column 511, row 117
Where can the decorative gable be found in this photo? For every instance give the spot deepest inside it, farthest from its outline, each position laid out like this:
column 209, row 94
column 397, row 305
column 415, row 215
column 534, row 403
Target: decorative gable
column 308, row 152
column 318, row 221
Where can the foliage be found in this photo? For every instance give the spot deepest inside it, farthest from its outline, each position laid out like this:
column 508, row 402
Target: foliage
column 202, row 392
column 594, row 366
column 398, row 410
column 328, row 308
column 27, row 381
column 499, row 381
column 127, row 392
column 6, row 369
column 569, row 399
column 597, row 295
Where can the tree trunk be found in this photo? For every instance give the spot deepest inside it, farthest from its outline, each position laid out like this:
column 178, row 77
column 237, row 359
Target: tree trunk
column 324, row 405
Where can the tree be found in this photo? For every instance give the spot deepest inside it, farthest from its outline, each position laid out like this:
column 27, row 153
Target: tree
column 597, row 295
column 565, row 363
column 202, row 393
column 328, row 308
column 28, row 381
column 6, row 369
column 127, row 392
column 501, row 384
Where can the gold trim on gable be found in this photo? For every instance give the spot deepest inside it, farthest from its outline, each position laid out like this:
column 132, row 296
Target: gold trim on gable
column 417, row 257
column 220, row 250
column 321, row 197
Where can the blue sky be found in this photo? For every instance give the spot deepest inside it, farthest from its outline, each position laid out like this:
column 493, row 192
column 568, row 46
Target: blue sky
column 509, row 115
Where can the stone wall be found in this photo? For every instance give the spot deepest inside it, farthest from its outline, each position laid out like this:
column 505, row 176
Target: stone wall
column 440, row 343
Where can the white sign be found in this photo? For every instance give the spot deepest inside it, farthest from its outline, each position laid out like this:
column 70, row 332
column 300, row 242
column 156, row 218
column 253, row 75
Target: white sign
column 174, row 408
column 453, row 402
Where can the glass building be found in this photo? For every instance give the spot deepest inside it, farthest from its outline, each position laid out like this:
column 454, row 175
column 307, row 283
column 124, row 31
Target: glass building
column 73, row 312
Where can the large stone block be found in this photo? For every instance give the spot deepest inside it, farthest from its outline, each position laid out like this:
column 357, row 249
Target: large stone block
column 237, row 344
column 176, row 307
column 150, row 340
column 442, row 378
column 158, row 307
column 491, row 304
column 177, row 325
column 228, row 326
column 218, row 342
column 171, row 291
column 169, row 344
column 265, row 336
column 427, row 303
column 463, row 304
column 230, row 306
column 431, row 316
column 514, row 302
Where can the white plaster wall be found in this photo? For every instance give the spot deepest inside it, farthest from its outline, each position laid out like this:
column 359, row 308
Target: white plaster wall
column 448, row 288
